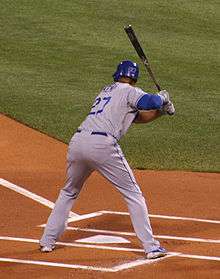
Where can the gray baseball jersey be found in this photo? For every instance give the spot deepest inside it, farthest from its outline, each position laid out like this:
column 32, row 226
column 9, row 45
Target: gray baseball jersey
column 114, row 109
column 94, row 147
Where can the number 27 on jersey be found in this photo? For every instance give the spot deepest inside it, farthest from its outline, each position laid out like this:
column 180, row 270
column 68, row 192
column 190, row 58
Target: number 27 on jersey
column 99, row 105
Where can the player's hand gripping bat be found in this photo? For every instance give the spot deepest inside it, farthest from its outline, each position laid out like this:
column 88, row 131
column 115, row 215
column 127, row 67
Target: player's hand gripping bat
column 133, row 38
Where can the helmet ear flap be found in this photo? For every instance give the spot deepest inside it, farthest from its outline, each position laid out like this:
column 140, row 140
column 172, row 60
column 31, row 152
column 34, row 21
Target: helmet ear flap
column 116, row 76
column 126, row 68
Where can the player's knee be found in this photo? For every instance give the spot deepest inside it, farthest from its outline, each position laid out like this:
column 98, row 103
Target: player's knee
column 73, row 194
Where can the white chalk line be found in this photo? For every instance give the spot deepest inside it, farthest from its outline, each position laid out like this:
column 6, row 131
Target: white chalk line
column 194, row 239
column 54, row 264
column 84, row 216
column 140, row 262
column 73, row 217
column 112, row 248
column 77, row 245
column 199, row 257
column 76, row 217
column 30, row 195
column 166, row 217
column 116, row 268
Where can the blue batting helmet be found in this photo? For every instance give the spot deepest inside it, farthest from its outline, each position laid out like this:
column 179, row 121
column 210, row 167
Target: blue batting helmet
column 126, row 68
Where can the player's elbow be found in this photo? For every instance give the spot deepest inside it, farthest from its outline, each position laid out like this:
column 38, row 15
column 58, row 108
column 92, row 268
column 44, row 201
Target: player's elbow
column 149, row 101
column 156, row 102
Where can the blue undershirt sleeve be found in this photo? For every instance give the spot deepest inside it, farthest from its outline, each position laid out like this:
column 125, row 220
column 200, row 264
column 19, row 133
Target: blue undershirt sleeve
column 149, row 101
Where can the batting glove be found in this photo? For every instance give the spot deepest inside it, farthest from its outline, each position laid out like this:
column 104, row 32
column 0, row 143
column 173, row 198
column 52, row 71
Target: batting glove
column 165, row 97
column 168, row 108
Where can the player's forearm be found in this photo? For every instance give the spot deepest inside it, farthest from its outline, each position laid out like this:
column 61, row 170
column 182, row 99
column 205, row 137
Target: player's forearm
column 147, row 116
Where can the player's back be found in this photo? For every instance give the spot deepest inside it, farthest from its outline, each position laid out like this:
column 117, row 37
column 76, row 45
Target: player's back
column 111, row 111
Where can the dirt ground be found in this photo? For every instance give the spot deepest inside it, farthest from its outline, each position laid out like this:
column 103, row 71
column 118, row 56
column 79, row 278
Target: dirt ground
column 36, row 162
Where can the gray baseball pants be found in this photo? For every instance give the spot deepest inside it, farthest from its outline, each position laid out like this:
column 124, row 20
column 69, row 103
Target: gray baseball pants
column 87, row 153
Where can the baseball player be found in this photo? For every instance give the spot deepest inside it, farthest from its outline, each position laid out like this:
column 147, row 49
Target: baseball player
column 94, row 146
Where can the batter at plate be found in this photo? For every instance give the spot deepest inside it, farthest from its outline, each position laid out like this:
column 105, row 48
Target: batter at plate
column 94, row 146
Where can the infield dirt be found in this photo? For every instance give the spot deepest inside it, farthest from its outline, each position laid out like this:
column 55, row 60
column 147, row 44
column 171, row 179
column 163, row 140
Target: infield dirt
column 37, row 162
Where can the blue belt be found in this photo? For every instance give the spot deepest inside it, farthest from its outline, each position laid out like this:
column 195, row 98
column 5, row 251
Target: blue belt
column 94, row 133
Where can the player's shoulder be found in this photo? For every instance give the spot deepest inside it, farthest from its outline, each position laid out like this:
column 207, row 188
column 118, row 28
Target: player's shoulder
column 121, row 88
column 127, row 88
column 116, row 87
column 134, row 90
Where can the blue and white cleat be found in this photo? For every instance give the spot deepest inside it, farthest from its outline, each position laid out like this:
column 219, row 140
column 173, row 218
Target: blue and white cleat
column 157, row 253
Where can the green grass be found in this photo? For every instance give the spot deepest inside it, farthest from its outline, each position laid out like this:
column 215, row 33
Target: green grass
column 56, row 55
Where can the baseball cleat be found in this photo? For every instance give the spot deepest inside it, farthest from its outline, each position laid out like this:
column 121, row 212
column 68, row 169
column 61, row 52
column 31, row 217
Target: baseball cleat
column 47, row 249
column 157, row 253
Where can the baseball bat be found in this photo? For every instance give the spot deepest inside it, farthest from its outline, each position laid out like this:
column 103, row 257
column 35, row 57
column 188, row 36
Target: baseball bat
column 133, row 38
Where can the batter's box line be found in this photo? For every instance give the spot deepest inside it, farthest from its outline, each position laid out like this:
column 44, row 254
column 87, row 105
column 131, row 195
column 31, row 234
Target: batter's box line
column 130, row 234
column 164, row 217
column 76, row 217
column 116, row 268
column 102, row 212
column 30, row 195
column 111, row 248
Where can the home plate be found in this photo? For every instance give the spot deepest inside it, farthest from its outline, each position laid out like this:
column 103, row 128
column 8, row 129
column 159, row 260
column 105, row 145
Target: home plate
column 103, row 239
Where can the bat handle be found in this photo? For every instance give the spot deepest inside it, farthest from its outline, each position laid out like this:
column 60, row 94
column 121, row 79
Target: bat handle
column 158, row 87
